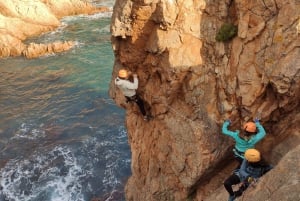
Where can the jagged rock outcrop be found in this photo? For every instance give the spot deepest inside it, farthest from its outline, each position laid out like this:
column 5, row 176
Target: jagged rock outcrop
column 22, row 19
column 34, row 50
column 192, row 83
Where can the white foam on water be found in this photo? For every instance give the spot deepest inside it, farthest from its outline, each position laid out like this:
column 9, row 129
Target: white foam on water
column 105, row 29
column 48, row 55
column 60, row 29
column 110, row 197
column 66, row 20
column 39, row 177
column 110, row 179
column 64, row 174
column 107, row 3
column 100, row 15
column 110, row 156
column 122, row 133
column 29, row 131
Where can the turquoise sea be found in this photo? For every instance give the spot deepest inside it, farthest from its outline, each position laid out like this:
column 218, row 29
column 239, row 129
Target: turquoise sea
column 61, row 137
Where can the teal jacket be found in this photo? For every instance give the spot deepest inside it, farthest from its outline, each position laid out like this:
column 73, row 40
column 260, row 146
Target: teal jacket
column 241, row 145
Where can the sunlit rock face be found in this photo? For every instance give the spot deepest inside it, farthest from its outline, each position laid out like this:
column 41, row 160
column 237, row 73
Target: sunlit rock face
column 22, row 19
column 192, row 83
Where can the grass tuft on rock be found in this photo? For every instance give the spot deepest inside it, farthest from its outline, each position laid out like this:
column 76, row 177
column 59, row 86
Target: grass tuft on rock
column 226, row 32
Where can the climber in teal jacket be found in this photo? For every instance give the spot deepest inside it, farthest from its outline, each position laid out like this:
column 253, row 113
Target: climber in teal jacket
column 252, row 133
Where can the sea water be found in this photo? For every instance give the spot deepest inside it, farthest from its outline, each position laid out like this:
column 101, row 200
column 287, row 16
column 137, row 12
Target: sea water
column 61, row 136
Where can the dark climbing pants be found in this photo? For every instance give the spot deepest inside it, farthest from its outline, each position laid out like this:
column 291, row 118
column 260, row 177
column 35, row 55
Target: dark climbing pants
column 231, row 180
column 138, row 101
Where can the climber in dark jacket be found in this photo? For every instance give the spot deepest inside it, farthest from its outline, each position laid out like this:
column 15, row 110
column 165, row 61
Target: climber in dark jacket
column 252, row 133
column 253, row 167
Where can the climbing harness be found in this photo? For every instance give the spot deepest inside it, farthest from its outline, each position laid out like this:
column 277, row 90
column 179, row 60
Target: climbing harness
column 131, row 98
column 238, row 153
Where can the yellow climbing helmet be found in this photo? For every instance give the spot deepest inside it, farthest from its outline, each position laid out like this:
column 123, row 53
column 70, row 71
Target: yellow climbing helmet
column 252, row 155
column 250, row 127
column 123, row 73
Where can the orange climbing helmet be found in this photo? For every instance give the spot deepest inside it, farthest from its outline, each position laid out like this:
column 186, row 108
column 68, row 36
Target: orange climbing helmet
column 250, row 127
column 123, row 73
column 252, row 155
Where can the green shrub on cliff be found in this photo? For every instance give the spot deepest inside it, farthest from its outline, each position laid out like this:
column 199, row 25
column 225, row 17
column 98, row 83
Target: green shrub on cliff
column 226, row 32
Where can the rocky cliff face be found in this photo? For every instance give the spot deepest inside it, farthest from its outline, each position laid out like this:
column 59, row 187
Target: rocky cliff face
column 22, row 19
column 192, row 82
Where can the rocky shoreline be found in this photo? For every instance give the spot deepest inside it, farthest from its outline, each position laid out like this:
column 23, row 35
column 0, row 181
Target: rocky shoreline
column 21, row 20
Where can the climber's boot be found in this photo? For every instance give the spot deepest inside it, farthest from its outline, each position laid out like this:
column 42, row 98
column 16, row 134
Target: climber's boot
column 231, row 198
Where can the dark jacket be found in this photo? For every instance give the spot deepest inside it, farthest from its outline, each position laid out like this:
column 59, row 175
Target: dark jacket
column 254, row 170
